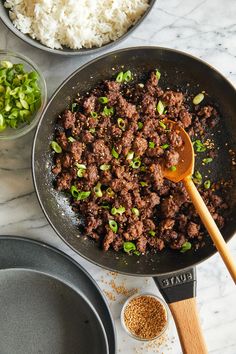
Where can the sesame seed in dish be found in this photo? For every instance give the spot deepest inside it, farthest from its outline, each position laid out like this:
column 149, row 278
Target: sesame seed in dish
column 75, row 24
column 145, row 317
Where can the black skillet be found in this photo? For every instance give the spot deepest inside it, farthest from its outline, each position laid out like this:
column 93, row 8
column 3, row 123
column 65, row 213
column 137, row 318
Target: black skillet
column 173, row 272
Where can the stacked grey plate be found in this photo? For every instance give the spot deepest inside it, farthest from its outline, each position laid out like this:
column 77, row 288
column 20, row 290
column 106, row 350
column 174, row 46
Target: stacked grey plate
column 49, row 304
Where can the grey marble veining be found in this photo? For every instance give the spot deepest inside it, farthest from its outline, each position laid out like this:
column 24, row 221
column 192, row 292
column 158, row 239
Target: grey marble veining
column 206, row 29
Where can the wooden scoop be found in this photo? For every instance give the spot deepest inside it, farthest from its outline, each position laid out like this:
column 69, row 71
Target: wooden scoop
column 184, row 172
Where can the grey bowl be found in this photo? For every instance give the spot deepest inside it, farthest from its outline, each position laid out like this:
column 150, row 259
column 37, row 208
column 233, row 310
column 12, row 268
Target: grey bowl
column 66, row 51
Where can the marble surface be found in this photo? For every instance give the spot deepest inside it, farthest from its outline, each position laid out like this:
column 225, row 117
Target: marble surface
column 205, row 28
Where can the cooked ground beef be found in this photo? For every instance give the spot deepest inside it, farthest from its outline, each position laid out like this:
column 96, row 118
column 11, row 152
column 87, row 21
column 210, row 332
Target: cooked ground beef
column 113, row 148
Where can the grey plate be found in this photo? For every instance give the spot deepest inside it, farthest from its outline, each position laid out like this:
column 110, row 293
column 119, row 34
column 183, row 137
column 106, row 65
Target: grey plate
column 48, row 303
column 65, row 51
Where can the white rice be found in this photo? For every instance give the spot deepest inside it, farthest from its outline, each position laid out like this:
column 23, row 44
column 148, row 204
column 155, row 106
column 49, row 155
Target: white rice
column 75, row 23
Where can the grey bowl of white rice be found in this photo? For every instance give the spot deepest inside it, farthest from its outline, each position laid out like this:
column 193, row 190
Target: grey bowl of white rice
column 73, row 27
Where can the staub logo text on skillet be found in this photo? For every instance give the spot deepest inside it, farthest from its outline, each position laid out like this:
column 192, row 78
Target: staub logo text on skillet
column 176, row 279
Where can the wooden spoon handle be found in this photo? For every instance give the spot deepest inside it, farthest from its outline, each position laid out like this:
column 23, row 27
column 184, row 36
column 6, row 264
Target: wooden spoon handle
column 211, row 226
column 188, row 326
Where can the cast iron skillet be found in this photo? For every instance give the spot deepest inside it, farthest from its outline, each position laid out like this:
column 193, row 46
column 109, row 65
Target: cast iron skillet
column 4, row 16
column 172, row 271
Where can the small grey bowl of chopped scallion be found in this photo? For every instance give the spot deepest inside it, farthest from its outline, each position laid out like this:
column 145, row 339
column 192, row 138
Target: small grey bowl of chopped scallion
column 23, row 95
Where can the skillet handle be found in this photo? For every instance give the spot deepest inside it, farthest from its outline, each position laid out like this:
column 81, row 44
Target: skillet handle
column 188, row 326
column 179, row 291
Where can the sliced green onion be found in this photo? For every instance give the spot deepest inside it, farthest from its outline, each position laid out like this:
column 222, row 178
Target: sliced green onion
column 207, row 184
column 198, row 99
column 119, row 77
column 186, row 247
column 71, row 139
column 74, row 107
column 137, row 253
column 113, row 225
column 6, row 64
column 110, row 192
column 144, row 184
column 136, row 163
column 129, row 247
column 135, row 211
column 127, row 76
column 103, row 100
column 108, row 111
column 81, row 169
column 83, row 195
column 97, row 190
column 56, row 147
column 173, row 168
column 165, row 146
column 80, row 172
column 114, row 153
column 94, row 114
column 140, row 125
column 207, row 160
column 162, row 125
column 152, row 233
column 2, row 123
column 158, row 74
column 197, row 178
column 80, row 165
column 130, row 155
column 160, row 107
column 119, row 210
column 121, row 123
column 92, row 130
column 199, row 146
column 151, row 144
column 74, row 192
column 105, row 167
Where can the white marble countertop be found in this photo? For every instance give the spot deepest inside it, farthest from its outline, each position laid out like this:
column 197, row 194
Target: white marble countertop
column 205, row 28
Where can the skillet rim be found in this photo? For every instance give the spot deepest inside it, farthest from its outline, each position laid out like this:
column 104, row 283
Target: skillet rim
column 89, row 63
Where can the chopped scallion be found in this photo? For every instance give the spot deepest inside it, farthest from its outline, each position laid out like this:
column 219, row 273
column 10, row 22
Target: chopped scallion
column 186, row 247
column 207, row 160
column 108, row 111
column 94, row 114
column 113, row 225
column 160, row 107
column 140, row 125
column 152, row 233
column 130, row 155
column 198, row 99
column 119, row 210
column 136, row 163
column 71, row 139
column 151, row 144
column 173, row 168
column 207, row 184
column 127, row 76
column 135, row 211
column 105, row 167
column 162, row 125
column 56, row 147
column 165, row 146
column 128, row 247
column 144, row 184
column 97, row 190
column 119, row 77
column 121, row 123
column 103, row 100
column 158, row 74
column 114, row 153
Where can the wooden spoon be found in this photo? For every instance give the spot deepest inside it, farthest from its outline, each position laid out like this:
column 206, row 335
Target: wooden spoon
column 184, row 172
